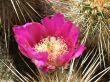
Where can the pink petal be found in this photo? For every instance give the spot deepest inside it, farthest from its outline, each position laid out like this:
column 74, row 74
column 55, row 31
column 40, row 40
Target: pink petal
column 51, row 67
column 29, row 51
column 36, row 30
column 41, row 56
column 23, row 51
column 64, row 29
column 74, row 34
column 22, row 33
column 23, row 45
column 79, row 51
column 38, row 63
column 52, row 25
column 32, row 32
column 58, row 20
column 32, row 54
column 45, row 69
column 41, row 64
column 48, row 25
column 65, row 58
column 70, row 55
column 72, row 37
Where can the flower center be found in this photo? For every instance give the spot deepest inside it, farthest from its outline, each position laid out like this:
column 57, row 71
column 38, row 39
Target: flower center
column 55, row 47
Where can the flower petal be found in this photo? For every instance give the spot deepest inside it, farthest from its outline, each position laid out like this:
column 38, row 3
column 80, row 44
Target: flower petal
column 70, row 33
column 30, row 31
column 22, row 33
column 32, row 54
column 63, row 59
column 80, row 50
column 74, row 34
column 52, row 25
column 41, row 64
column 48, row 25
column 64, row 29
column 58, row 20
column 29, row 51
column 36, row 30
column 38, row 63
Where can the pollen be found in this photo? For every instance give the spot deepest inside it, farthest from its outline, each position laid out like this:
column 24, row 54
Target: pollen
column 55, row 46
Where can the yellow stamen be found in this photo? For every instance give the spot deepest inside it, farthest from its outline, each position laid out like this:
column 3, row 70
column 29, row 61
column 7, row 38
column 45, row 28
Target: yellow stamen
column 54, row 46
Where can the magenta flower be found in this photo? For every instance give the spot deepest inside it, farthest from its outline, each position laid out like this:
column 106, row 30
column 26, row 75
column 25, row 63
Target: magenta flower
column 49, row 44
